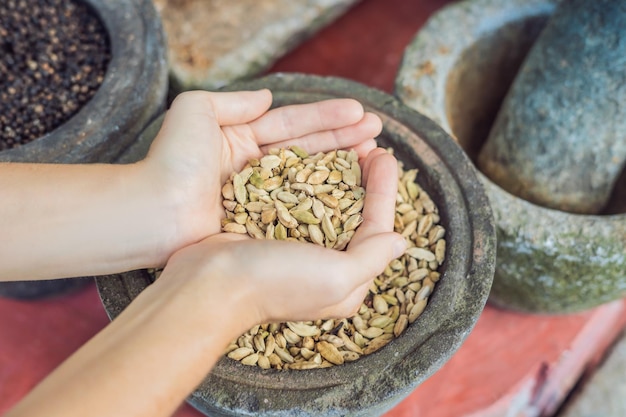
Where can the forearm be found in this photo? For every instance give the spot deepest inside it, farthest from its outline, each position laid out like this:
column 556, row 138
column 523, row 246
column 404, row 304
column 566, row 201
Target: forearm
column 75, row 220
column 146, row 362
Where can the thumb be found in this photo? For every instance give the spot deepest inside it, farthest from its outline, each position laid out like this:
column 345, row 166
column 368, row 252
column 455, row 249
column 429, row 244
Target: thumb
column 374, row 253
column 226, row 108
column 202, row 113
column 368, row 259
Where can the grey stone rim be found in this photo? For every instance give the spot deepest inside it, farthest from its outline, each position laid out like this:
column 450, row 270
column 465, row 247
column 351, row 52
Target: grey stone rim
column 549, row 261
column 375, row 383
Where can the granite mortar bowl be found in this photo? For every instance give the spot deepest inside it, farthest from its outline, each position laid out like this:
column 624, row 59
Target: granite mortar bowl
column 375, row 383
column 131, row 95
column 457, row 71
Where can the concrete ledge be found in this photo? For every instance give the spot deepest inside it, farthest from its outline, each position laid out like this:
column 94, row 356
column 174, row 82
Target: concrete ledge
column 212, row 43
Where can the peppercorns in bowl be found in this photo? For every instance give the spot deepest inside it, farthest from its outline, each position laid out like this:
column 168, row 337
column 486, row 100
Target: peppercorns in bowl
column 79, row 79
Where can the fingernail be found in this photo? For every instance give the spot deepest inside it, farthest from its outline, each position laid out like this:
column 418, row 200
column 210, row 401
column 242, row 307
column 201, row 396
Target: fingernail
column 399, row 246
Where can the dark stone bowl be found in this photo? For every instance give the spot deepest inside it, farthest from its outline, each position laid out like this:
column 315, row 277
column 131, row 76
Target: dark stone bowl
column 132, row 94
column 457, row 70
column 374, row 383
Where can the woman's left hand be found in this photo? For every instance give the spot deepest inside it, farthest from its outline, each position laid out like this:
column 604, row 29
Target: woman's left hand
column 206, row 136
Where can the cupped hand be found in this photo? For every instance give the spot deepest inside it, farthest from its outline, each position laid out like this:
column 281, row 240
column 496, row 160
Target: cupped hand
column 279, row 280
column 206, row 136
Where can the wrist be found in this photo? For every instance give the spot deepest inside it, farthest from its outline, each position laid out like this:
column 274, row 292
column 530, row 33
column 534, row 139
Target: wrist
column 207, row 298
column 161, row 218
column 183, row 212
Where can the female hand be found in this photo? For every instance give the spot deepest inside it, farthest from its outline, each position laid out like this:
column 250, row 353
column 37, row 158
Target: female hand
column 206, row 136
column 271, row 280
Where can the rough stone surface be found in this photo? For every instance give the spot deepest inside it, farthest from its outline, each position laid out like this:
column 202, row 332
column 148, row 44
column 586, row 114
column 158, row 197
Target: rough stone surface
column 131, row 95
column 214, row 42
column 559, row 139
column 548, row 261
column 604, row 394
column 377, row 382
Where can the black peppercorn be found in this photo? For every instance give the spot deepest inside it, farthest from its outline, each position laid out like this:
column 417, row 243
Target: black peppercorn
column 53, row 57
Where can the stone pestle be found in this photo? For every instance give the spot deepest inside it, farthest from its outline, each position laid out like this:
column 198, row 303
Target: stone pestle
column 559, row 139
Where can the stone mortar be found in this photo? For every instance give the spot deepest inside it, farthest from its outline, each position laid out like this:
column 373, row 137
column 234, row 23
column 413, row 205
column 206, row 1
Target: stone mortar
column 566, row 108
column 377, row 382
column 132, row 94
column 456, row 71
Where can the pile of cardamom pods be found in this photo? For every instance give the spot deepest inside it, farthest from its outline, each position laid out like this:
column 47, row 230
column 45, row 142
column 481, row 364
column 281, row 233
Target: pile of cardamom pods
column 291, row 195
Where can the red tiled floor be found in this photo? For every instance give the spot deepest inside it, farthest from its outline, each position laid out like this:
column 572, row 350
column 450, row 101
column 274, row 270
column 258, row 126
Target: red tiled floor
column 36, row 336
column 365, row 45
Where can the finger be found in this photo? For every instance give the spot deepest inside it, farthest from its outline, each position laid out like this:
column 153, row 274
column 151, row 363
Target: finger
column 227, row 108
column 225, row 237
column 192, row 114
column 375, row 244
column 297, row 120
column 350, row 305
column 364, row 148
column 380, row 197
column 342, row 138
column 370, row 255
column 367, row 161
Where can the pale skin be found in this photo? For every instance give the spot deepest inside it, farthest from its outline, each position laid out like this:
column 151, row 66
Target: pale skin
column 166, row 210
